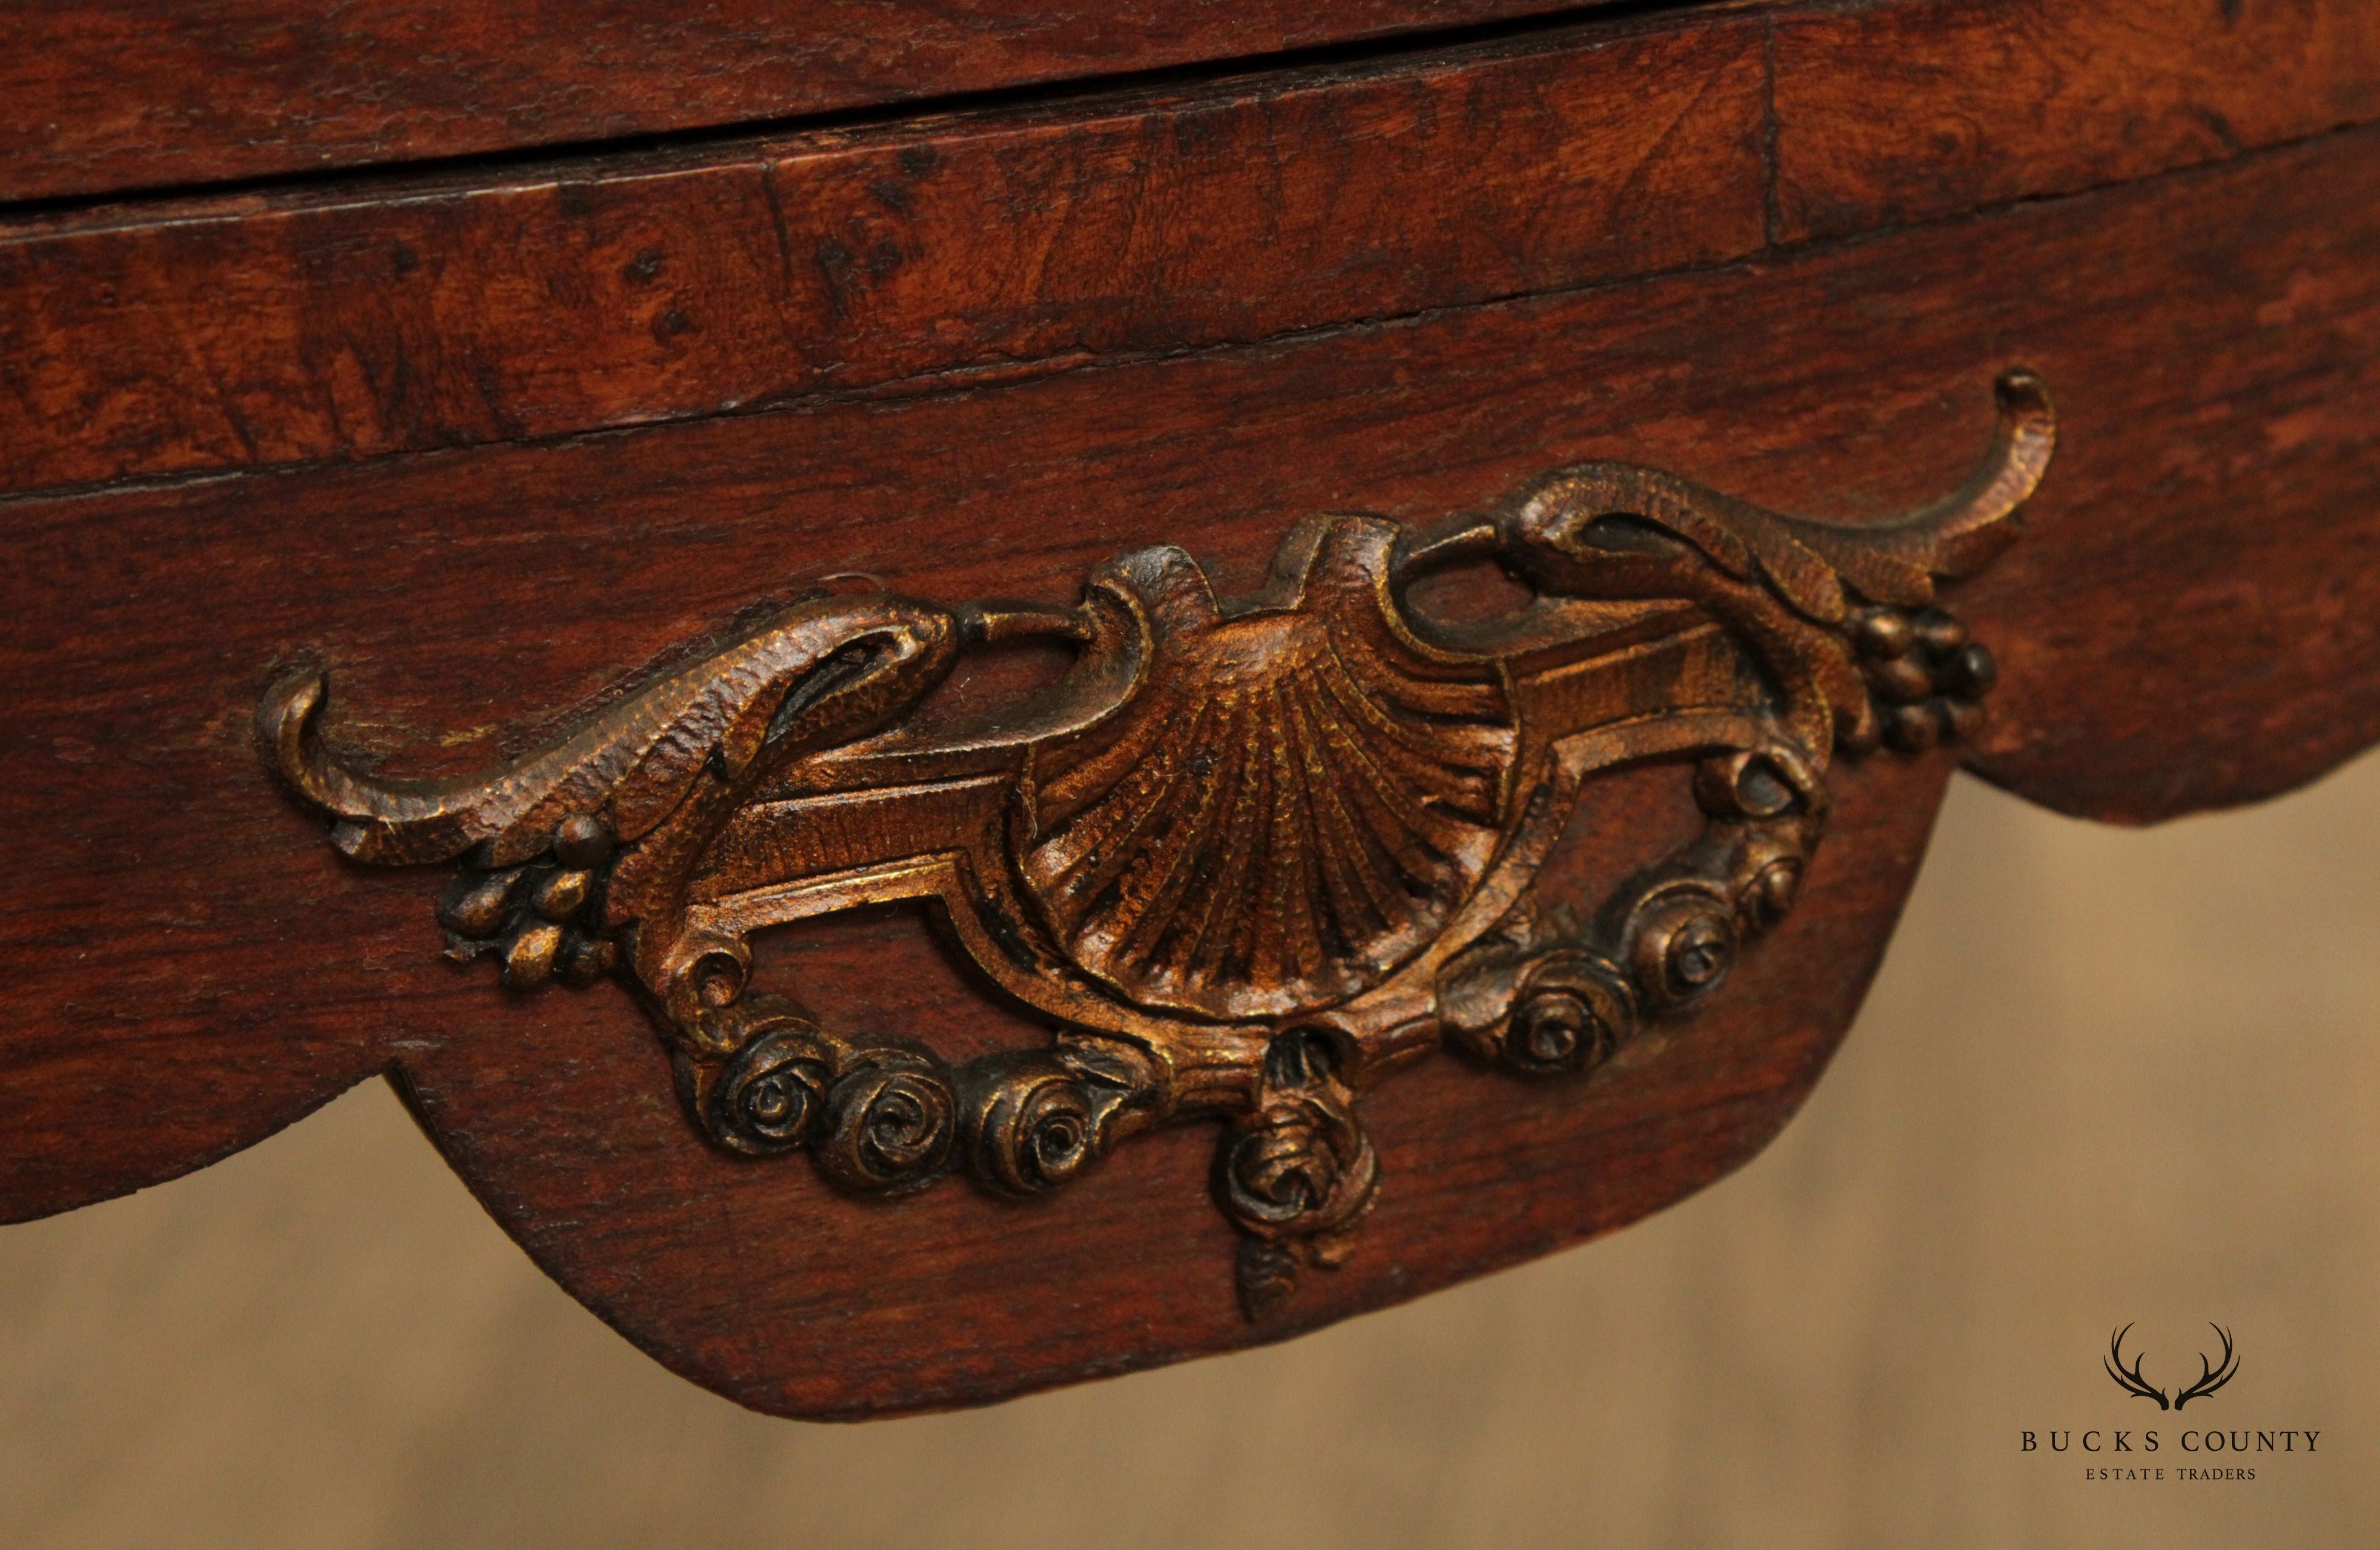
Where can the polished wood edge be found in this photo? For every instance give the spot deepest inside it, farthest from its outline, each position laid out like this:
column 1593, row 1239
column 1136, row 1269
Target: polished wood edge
column 1017, row 238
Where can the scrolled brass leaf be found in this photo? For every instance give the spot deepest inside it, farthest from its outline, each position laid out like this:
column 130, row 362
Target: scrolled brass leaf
column 1236, row 847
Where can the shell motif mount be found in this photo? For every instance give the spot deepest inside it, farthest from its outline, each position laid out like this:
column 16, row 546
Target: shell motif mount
column 1246, row 858
column 1294, row 804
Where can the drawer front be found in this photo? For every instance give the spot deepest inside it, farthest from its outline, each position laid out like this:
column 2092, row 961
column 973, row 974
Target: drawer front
column 1407, row 290
column 111, row 98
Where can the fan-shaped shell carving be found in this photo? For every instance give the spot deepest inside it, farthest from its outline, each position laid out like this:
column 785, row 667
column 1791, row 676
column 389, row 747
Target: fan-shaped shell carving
column 1299, row 796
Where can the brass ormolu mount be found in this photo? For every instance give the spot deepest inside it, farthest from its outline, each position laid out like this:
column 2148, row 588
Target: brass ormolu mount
column 1247, row 858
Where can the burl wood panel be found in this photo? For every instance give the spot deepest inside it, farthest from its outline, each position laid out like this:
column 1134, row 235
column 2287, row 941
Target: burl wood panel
column 462, row 308
column 2194, row 619
column 359, row 320
column 108, row 97
column 1893, row 112
column 346, row 323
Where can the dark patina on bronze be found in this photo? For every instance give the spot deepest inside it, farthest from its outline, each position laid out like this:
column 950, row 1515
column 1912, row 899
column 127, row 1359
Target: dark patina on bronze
column 1246, row 858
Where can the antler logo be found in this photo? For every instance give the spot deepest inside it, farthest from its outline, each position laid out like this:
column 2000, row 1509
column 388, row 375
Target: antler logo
column 2212, row 1377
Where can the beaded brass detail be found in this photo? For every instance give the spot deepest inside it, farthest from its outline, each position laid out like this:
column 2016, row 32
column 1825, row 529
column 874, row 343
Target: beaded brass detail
column 1247, row 858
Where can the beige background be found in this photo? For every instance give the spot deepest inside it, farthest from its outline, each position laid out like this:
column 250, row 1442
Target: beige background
column 2106, row 1076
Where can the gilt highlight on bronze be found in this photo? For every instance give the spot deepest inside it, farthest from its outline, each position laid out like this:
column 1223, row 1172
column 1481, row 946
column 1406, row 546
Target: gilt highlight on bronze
column 1247, row 858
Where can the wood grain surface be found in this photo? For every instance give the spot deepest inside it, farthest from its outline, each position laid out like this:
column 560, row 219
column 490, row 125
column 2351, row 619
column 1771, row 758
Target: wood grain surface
column 1894, row 113
column 339, row 323
column 1882, row 109
column 196, row 968
column 107, row 98
column 343, row 320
